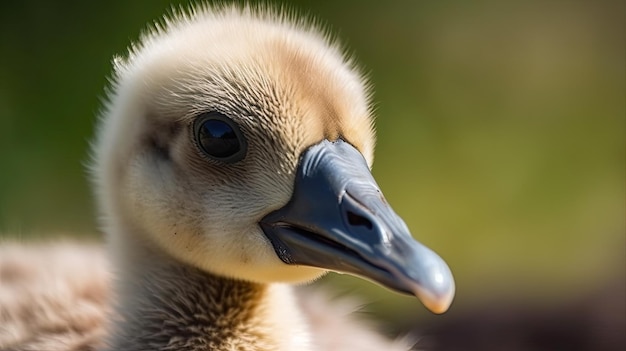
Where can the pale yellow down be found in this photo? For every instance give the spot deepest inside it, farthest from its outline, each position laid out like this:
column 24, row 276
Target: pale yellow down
column 282, row 82
column 177, row 223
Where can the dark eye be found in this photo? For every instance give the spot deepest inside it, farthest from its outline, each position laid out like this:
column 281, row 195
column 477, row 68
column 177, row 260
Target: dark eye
column 219, row 137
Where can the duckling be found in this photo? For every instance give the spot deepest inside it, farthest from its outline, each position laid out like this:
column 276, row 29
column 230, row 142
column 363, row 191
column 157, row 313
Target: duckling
column 233, row 161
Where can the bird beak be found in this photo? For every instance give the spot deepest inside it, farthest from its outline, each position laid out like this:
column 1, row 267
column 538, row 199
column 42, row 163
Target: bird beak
column 338, row 219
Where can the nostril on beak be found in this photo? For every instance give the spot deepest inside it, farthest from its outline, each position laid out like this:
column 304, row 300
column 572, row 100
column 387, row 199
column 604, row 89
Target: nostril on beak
column 357, row 220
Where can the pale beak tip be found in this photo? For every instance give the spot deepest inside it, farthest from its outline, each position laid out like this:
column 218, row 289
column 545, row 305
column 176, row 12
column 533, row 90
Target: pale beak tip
column 438, row 293
column 438, row 304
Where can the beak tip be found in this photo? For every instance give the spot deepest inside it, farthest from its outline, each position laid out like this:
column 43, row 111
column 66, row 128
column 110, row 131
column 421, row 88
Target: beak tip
column 437, row 293
column 439, row 304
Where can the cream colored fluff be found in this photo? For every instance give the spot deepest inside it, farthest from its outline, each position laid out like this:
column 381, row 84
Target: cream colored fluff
column 54, row 297
column 179, row 228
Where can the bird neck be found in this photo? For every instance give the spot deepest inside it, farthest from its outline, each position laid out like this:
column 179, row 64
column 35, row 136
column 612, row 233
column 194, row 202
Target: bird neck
column 164, row 304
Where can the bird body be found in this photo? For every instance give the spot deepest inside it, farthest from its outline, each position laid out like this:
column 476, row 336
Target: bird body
column 232, row 160
column 57, row 296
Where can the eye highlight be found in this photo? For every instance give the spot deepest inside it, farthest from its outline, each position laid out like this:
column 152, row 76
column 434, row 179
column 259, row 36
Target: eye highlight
column 219, row 137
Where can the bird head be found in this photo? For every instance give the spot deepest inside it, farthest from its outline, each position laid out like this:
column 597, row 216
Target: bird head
column 240, row 142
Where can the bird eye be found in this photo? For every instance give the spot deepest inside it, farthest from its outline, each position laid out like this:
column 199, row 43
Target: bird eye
column 219, row 137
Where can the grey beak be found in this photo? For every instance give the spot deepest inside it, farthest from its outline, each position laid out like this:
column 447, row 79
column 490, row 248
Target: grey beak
column 338, row 219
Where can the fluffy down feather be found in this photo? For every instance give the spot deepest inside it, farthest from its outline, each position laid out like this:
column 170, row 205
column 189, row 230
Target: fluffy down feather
column 55, row 297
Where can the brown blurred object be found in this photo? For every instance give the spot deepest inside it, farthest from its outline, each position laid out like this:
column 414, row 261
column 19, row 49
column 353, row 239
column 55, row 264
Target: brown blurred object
column 595, row 322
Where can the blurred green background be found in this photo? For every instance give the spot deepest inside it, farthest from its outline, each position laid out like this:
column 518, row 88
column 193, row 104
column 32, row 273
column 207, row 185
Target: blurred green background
column 501, row 125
